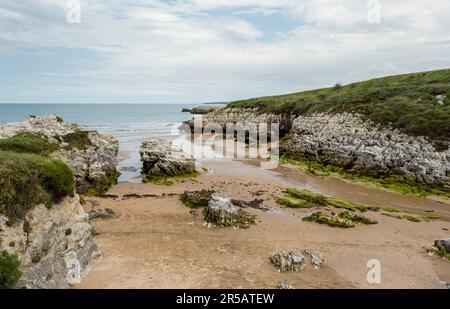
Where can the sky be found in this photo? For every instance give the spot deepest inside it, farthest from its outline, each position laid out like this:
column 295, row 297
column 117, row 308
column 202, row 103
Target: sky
column 193, row 51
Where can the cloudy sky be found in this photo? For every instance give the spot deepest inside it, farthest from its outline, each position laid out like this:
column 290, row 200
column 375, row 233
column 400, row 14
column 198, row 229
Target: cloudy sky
column 190, row 51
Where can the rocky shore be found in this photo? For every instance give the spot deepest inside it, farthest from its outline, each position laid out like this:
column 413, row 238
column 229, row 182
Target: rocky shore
column 45, row 234
column 91, row 155
column 346, row 140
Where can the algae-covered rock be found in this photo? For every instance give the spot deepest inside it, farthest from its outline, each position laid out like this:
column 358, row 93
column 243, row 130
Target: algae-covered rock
column 221, row 212
column 443, row 244
column 333, row 221
column 196, row 199
column 347, row 215
column 292, row 261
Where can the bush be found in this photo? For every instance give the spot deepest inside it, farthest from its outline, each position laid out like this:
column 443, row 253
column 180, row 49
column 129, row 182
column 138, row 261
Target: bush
column 10, row 270
column 28, row 143
column 79, row 140
column 27, row 180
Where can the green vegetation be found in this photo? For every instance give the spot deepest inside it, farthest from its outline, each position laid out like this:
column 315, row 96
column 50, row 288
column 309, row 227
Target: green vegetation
column 295, row 198
column 404, row 102
column 332, row 221
column 411, row 218
column 68, row 232
column 28, row 143
column 167, row 180
column 196, row 199
column 441, row 253
column 79, row 140
column 349, row 216
column 29, row 179
column 391, row 209
column 10, row 270
column 398, row 184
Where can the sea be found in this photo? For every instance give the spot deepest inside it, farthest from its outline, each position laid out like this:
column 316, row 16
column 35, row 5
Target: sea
column 129, row 123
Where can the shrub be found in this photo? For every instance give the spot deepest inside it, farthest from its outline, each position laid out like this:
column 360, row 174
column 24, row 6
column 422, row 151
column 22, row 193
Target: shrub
column 10, row 270
column 28, row 143
column 27, row 180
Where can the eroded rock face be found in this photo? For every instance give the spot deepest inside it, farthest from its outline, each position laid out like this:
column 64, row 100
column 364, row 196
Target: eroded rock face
column 55, row 245
column 244, row 117
column 93, row 159
column 346, row 140
column 161, row 158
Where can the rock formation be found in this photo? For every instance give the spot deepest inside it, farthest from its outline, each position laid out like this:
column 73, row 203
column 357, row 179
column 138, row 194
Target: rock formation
column 347, row 141
column 160, row 158
column 92, row 156
column 54, row 245
column 291, row 261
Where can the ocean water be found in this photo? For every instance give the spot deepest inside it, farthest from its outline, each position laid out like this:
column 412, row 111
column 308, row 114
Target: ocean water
column 129, row 123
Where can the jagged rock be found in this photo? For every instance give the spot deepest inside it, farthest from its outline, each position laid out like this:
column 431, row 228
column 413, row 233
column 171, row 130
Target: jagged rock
column 443, row 244
column 291, row 261
column 92, row 159
column 161, row 158
column 221, row 212
column 317, row 260
column 286, row 286
column 55, row 245
column 347, row 141
column 105, row 213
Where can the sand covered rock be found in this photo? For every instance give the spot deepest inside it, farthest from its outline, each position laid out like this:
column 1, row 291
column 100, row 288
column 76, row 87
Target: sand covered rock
column 285, row 262
column 221, row 212
column 54, row 245
column 161, row 158
column 92, row 156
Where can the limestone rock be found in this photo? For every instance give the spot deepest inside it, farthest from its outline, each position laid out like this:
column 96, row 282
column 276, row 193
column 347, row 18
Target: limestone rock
column 443, row 244
column 105, row 213
column 55, row 245
column 317, row 260
column 93, row 163
column 347, row 141
column 161, row 158
column 286, row 286
column 291, row 261
column 221, row 212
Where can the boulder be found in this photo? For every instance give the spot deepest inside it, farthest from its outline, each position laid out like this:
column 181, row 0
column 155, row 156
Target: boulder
column 443, row 244
column 105, row 213
column 292, row 261
column 161, row 158
column 317, row 260
column 221, row 212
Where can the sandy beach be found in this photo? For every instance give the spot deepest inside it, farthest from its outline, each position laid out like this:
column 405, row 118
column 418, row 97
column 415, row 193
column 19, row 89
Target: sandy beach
column 157, row 242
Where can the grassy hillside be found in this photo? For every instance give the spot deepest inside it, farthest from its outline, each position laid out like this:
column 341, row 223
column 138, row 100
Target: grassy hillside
column 406, row 102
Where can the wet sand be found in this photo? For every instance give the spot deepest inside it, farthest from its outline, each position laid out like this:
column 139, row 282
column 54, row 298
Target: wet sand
column 158, row 243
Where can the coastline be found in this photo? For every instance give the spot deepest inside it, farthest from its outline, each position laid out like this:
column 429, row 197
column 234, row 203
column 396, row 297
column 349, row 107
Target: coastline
column 156, row 242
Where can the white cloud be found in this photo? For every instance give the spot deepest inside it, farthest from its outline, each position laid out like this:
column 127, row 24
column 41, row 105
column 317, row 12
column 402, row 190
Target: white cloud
column 201, row 50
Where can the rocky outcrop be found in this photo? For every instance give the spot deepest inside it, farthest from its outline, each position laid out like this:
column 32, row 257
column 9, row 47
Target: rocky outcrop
column 92, row 156
column 160, row 158
column 244, row 117
column 285, row 262
column 347, row 141
column 54, row 245
column 205, row 109
column 221, row 212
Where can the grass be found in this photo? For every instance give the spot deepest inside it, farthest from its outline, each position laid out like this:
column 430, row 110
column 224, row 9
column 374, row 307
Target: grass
column 28, row 179
column 396, row 184
column 404, row 102
column 78, row 139
column 28, row 143
column 166, row 180
column 10, row 270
